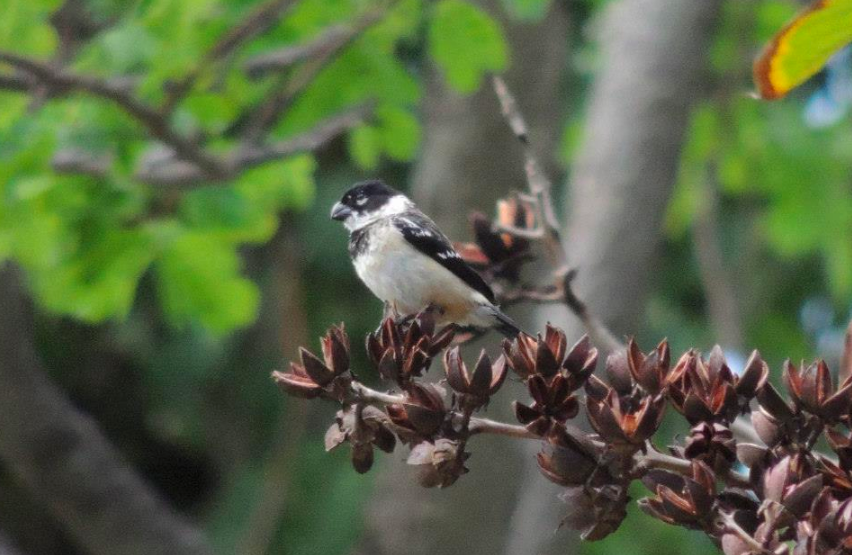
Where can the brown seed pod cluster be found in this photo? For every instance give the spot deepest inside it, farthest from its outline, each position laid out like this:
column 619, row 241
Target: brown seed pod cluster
column 770, row 492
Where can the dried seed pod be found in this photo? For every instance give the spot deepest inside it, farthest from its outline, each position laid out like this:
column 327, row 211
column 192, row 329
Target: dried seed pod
column 567, row 459
column 439, row 464
column 621, row 426
column 812, row 390
column 477, row 387
column 680, row 500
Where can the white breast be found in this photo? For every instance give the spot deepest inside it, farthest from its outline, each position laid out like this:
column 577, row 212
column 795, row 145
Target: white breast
column 399, row 274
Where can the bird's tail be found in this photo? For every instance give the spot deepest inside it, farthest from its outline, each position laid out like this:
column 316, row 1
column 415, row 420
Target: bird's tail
column 505, row 325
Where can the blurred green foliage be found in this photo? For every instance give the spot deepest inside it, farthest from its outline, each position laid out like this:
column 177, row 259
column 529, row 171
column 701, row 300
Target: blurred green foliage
column 786, row 200
column 85, row 242
column 99, row 249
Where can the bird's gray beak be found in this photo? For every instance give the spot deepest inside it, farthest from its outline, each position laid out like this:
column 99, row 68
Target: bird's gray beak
column 340, row 212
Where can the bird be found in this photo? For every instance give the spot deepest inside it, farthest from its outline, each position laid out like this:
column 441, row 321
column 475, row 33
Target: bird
column 407, row 262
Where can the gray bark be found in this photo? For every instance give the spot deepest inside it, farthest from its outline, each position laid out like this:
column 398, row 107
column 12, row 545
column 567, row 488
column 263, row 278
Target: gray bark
column 64, row 460
column 653, row 70
column 469, row 159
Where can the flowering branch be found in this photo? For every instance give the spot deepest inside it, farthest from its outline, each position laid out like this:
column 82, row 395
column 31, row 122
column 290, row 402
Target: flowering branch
column 786, row 482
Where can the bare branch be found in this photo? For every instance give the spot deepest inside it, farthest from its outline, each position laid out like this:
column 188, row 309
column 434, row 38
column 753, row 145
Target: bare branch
column 171, row 172
column 316, row 137
column 598, row 332
column 476, row 425
column 655, row 459
column 549, row 294
column 531, row 234
column 538, row 183
column 17, row 82
column 289, row 87
column 488, row 426
column 64, row 460
column 81, row 163
column 277, row 60
column 61, row 82
column 256, row 23
column 540, row 187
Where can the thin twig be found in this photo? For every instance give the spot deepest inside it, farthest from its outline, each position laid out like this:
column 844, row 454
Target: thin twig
column 369, row 394
column 324, row 131
column 520, row 233
column 283, row 58
column 476, row 425
column 179, row 174
column 543, row 295
column 598, row 332
column 18, row 83
column 290, row 87
column 65, row 82
column 537, row 181
column 732, row 526
column 655, row 459
column 256, row 23
column 78, row 162
column 488, row 426
column 540, row 188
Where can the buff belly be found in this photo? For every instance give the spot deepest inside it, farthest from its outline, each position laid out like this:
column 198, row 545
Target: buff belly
column 410, row 281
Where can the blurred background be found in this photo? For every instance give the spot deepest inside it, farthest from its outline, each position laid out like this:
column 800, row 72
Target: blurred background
column 167, row 168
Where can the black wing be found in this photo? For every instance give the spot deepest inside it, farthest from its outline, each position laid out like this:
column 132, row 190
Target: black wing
column 425, row 236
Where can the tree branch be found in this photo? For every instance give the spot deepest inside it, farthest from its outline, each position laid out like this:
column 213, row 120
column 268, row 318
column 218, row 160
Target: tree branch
column 289, row 87
column 283, row 58
column 655, row 459
column 178, row 173
column 65, row 460
column 598, row 332
column 538, row 183
column 256, row 23
column 475, row 426
column 61, row 82
column 540, row 187
column 77, row 162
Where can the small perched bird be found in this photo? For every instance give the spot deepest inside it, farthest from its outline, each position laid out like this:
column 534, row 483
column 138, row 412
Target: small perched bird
column 405, row 260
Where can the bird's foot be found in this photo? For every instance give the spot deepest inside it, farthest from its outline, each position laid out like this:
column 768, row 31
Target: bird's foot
column 390, row 311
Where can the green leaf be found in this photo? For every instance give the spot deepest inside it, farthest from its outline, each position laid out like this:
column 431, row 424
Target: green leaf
column 466, row 43
column 527, row 10
column 24, row 27
column 286, row 184
column 199, row 279
column 400, row 132
column 364, row 146
column 100, row 281
column 803, row 46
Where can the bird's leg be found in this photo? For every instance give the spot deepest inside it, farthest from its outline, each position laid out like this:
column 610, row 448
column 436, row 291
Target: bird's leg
column 434, row 310
column 389, row 311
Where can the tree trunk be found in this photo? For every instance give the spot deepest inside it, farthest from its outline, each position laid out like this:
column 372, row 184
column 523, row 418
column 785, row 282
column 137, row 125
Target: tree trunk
column 470, row 158
column 653, row 71
column 62, row 457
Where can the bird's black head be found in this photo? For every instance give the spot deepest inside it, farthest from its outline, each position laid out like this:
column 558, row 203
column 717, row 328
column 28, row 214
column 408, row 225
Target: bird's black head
column 365, row 201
